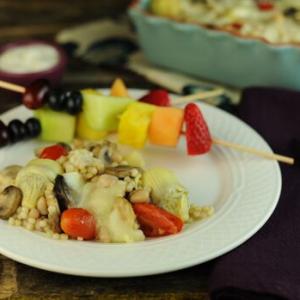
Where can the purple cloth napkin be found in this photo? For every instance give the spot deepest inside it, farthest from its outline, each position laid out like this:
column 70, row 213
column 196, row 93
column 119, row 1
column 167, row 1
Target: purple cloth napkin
column 267, row 266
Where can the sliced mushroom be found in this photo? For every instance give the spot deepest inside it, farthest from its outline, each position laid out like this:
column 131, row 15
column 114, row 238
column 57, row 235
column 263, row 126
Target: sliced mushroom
column 75, row 183
column 10, row 200
column 62, row 193
column 123, row 171
column 106, row 151
column 107, row 157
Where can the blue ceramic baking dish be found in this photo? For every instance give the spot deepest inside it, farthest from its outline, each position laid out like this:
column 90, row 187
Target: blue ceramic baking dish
column 215, row 55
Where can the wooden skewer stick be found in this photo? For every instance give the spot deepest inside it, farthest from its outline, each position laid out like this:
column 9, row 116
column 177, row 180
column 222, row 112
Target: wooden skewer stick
column 242, row 148
column 238, row 147
column 198, row 96
column 186, row 99
column 12, row 87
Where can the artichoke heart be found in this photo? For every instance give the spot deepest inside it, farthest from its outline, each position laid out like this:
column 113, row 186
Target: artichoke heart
column 167, row 192
column 32, row 185
column 51, row 168
column 34, row 178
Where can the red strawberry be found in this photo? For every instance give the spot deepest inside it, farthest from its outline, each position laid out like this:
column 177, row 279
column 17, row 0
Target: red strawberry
column 197, row 133
column 157, row 97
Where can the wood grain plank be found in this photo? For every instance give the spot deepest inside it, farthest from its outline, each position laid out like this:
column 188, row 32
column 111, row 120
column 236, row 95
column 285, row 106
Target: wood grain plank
column 186, row 284
column 8, row 278
column 42, row 12
column 35, row 18
column 168, row 296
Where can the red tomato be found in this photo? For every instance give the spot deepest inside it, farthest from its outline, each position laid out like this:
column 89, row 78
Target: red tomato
column 54, row 152
column 237, row 25
column 78, row 222
column 265, row 5
column 155, row 221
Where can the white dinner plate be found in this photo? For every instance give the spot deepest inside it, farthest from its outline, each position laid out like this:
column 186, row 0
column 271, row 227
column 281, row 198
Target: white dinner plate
column 243, row 189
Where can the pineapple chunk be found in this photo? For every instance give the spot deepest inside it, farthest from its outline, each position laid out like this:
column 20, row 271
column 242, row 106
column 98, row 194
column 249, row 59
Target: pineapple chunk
column 167, row 192
column 134, row 124
column 84, row 131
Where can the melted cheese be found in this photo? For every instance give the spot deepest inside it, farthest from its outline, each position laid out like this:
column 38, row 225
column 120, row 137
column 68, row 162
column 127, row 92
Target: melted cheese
column 116, row 221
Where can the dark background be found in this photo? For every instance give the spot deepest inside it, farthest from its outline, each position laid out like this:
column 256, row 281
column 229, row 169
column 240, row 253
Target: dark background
column 44, row 18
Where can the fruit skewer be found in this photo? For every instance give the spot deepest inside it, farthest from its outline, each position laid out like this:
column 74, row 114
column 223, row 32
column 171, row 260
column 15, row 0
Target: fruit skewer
column 185, row 99
column 12, row 87
column 201, row 95
column 264, row 154
column 188, row 99
column 166, row 125
column 39, row 93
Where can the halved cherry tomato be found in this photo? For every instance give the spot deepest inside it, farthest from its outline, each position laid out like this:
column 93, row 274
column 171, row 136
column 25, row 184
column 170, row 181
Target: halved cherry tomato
column 237, row 25
column 155, row 221
column 265, row 5
column 78, row 222
column 54, row 152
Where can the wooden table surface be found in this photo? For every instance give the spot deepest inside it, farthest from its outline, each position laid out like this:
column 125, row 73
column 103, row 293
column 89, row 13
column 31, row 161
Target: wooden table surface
column 18, row 281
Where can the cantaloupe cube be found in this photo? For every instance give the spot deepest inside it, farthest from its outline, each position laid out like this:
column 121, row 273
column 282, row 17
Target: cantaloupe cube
column 84, row 131
column 119, row 89
column 134, row 124
column 165, row 126
column 56, row 126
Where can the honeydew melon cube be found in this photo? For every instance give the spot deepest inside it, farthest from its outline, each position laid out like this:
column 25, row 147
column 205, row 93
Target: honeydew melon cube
column 56, row 126
column 102, row 112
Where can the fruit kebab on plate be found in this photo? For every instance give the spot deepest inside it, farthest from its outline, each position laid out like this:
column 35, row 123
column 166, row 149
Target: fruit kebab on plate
column 60, row 116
